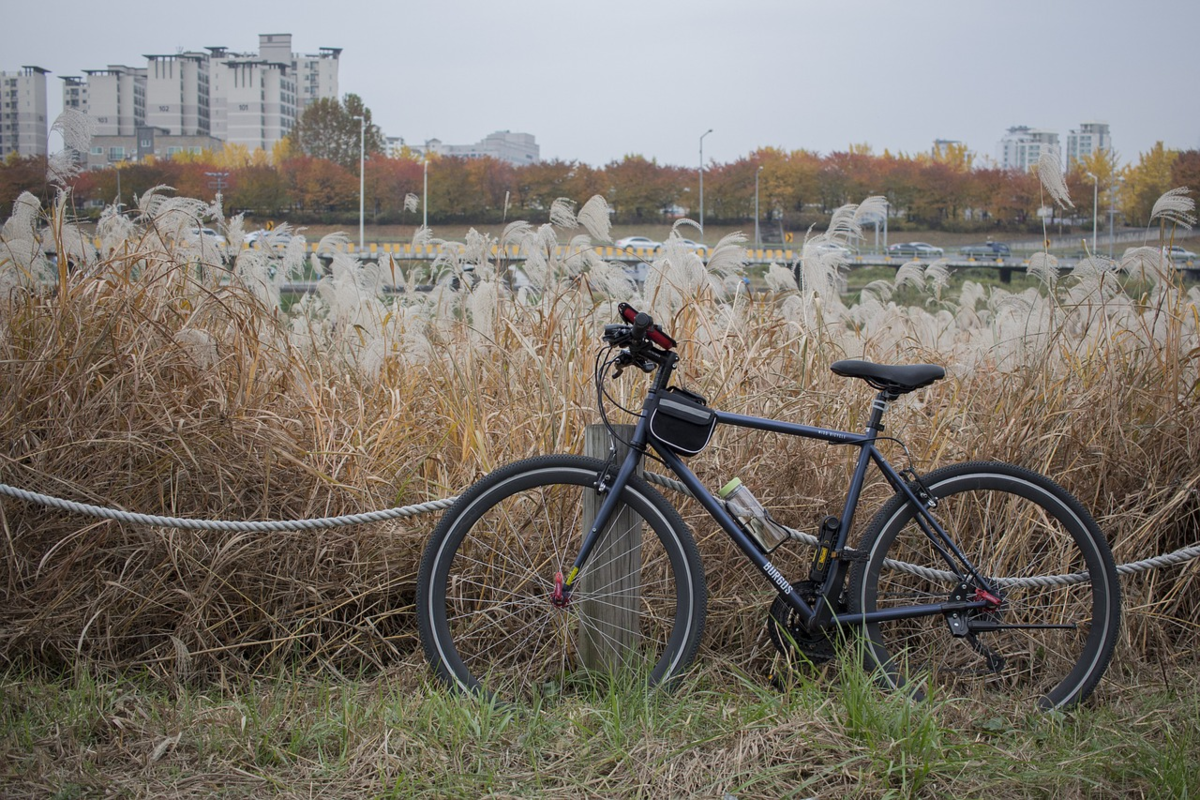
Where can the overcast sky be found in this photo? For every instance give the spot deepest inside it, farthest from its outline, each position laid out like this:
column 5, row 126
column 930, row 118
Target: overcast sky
column 596, row 81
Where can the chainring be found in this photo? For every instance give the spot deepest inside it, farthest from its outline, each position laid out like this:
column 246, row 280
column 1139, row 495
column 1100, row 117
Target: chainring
column 788, row 633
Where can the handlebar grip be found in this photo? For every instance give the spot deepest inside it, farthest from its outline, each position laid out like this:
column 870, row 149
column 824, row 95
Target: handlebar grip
column 641, row 324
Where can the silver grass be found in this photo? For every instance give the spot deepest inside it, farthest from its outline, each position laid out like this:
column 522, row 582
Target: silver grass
column 729, row 256
column 596, row 218
column 562, row 213
column 1146, row 264
column 61, row 167
column 478, row 250
column 199, row 345
column 77, row 130
column 937, row 276
column 872, row 209
column 1050, row 174
column 422, row 237
column 1175, row 206
column 411, row 202
column 115, row 230
column 881, row 289
column 684, row 221
column 1044, row 267
column 515, row 233
column 910, row 274
column 252, row 269
column 611, row 280
column 780, row 279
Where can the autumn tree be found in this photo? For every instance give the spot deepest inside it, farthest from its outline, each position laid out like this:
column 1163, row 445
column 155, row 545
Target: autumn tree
column 329, row 129
column 1186, row 172
column 641, row 190
column 1145, row 182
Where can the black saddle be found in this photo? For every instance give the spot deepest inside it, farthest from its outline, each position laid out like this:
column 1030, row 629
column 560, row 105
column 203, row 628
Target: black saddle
column 895, row 380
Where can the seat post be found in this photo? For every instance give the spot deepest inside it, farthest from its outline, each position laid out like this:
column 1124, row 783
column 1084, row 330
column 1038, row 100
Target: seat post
column 878, row 406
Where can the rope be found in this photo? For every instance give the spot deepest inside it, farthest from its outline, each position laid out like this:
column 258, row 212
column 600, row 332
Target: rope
column 244, row 526
column 1180, row 556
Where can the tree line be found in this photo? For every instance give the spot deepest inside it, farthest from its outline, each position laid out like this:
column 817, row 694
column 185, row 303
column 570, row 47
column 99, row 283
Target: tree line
column 312, row 176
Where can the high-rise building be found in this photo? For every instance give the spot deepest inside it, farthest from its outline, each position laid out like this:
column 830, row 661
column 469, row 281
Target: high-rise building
column 177, row 93
column 315, row 74
column 253, row 97
column 1022, row 146
column 23, row 125
column 115, row 98
column 1088, row 139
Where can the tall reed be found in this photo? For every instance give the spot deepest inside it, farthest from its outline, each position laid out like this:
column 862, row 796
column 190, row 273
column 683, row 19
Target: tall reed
column 149, row 375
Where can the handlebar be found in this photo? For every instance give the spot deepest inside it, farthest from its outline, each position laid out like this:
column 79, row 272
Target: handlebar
column 643, row 327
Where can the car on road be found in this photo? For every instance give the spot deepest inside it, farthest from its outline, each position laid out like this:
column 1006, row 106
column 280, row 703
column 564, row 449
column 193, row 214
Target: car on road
column 204, row 236
column 1177, row 253
column 827, row 248
column 264, row 238
column 986, row 250
column 916, row 249
column 634, row 243
column 695, row 247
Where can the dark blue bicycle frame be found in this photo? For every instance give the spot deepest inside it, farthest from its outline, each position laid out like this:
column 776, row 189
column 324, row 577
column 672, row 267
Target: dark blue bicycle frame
column 824, row 615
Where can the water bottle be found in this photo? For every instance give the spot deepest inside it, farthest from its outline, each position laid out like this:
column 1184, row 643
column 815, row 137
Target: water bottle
column 745, row 507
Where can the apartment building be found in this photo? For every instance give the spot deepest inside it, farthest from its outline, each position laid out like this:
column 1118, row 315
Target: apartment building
column 315, row 74
column 250, row 99
column 253, row 98
column 23, row 124
column 515, row 148
column 177, row 93
column 1022, row 146
column 1088, row 139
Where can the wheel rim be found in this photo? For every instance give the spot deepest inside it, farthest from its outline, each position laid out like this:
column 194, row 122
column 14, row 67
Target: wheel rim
column 501, row 632
column 1025, row 544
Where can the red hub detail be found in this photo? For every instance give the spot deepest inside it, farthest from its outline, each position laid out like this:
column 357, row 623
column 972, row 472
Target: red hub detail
column 560, row 598
column 989, row 598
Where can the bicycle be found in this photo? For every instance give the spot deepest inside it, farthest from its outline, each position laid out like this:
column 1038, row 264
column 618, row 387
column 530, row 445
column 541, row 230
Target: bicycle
column 976, row 576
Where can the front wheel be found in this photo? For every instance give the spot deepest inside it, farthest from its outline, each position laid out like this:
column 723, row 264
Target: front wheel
column 489, row 618
column 1034, row 546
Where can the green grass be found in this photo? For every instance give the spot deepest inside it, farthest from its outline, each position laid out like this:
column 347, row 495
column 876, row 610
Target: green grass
column 725, row 731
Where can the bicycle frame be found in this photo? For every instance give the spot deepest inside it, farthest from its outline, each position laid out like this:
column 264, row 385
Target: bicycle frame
column 823, row 615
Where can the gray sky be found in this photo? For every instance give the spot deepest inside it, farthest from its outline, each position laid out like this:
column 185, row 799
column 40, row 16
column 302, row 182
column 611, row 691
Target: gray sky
column 595, row 82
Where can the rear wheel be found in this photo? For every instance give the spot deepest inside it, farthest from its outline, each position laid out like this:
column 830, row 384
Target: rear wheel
column 486, row 607
column 1034, row 545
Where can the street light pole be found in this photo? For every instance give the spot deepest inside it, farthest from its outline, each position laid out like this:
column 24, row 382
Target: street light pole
column 1095, row 207
column 425, row 196
column 362, row 173
column 706, row 133
column 757, row 241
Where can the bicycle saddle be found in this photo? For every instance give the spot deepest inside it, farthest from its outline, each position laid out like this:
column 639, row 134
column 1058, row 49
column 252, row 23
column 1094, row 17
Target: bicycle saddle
column 895, row 380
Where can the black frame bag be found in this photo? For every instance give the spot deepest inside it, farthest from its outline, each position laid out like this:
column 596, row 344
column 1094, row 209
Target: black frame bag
column 683, row 421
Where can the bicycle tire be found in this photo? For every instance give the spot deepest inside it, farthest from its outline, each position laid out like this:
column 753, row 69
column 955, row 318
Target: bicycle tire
column 484, row 609
column 1024, row 532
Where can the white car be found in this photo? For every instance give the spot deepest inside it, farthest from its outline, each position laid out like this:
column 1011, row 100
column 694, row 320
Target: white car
column 1177, row 253
column 265, row 238
column 205, row 236
column 696, row 247
column 825, row 248
column 635, row 243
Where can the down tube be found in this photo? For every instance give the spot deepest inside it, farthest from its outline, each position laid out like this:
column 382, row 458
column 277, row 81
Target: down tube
column 716, row 509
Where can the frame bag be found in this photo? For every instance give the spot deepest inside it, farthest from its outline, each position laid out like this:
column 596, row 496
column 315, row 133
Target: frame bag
column 683, row 421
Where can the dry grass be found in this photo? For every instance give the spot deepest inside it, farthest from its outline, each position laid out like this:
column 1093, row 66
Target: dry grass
column 142, row 380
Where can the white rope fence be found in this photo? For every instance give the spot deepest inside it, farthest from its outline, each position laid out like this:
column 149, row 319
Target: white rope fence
column 1180, row 556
